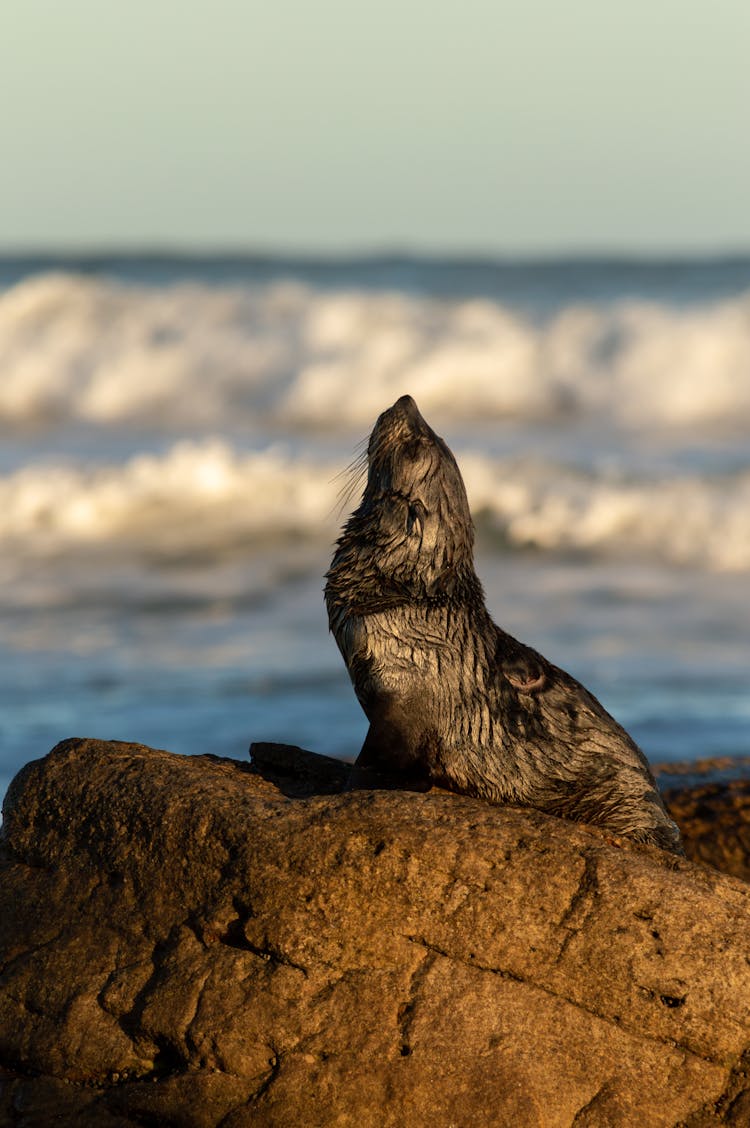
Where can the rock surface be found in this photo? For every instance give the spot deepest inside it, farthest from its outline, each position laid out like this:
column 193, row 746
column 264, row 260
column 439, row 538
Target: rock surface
column 196, row 942
column 710, row 801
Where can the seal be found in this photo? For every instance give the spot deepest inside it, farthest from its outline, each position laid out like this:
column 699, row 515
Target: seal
column 452, row 699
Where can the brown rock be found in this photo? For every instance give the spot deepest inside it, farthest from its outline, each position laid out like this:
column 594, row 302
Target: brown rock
column 710, row 801
column 185, row 942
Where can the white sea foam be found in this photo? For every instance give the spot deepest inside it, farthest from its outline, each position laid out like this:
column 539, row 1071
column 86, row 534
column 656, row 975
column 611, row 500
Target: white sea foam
column 83, row 349
column 687, row 520
column 204, row 496
column 198, row 494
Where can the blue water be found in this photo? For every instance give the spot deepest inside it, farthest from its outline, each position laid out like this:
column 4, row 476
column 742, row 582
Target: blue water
column 170, row 434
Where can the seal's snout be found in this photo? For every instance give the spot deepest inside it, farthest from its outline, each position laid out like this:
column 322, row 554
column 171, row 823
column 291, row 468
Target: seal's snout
column 406, row 409
column 398, row 423
column 407, row 405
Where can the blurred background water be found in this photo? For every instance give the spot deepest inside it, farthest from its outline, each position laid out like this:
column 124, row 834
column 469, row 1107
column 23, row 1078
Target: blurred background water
column 174, row 432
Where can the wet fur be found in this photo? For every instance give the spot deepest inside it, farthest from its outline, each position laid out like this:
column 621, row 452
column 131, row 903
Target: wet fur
column 451, row 698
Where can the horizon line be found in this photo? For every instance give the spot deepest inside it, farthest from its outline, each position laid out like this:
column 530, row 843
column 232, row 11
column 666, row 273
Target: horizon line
column 383, row 253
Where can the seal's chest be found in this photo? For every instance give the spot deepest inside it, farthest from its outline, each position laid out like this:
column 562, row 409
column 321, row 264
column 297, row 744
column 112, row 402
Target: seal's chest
column 399, row 647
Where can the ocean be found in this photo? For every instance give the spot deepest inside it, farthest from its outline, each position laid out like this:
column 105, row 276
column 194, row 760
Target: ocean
column 175, row 433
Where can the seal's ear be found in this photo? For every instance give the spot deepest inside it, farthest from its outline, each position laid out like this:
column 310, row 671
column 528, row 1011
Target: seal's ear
column 415, row 519
column 525, row 671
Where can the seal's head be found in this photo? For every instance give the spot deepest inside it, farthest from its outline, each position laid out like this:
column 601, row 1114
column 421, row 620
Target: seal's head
column 412, row 536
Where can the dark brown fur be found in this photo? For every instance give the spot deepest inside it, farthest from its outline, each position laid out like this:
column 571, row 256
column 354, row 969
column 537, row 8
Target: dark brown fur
column 451, row 698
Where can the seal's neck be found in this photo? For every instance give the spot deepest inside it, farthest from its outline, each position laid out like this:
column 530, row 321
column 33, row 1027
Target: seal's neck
column 359, row 584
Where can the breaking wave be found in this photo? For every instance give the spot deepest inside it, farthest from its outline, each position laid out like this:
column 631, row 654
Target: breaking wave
column 75, row 348
column 201, row 496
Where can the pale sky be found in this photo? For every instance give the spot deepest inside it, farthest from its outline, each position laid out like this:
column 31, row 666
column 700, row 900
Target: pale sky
column 529, row 126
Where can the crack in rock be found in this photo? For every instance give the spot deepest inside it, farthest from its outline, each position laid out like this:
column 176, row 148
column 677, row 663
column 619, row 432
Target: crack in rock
column 504, row 973
column 405, row 1013
column 581, row 904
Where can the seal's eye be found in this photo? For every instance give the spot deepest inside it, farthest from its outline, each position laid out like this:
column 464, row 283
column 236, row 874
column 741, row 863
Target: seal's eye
column 415, row 516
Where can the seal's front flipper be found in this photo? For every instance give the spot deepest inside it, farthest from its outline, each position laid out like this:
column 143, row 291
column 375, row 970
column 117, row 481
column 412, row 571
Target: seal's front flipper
column 380, row 767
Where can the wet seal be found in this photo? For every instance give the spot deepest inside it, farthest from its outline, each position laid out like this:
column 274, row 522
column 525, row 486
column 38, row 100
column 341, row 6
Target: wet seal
column 452, row 699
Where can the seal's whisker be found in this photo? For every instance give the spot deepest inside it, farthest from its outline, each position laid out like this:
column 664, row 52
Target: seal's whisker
column 360, row 455
column 350, row 489
column 353, row 475
column 378, row 447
